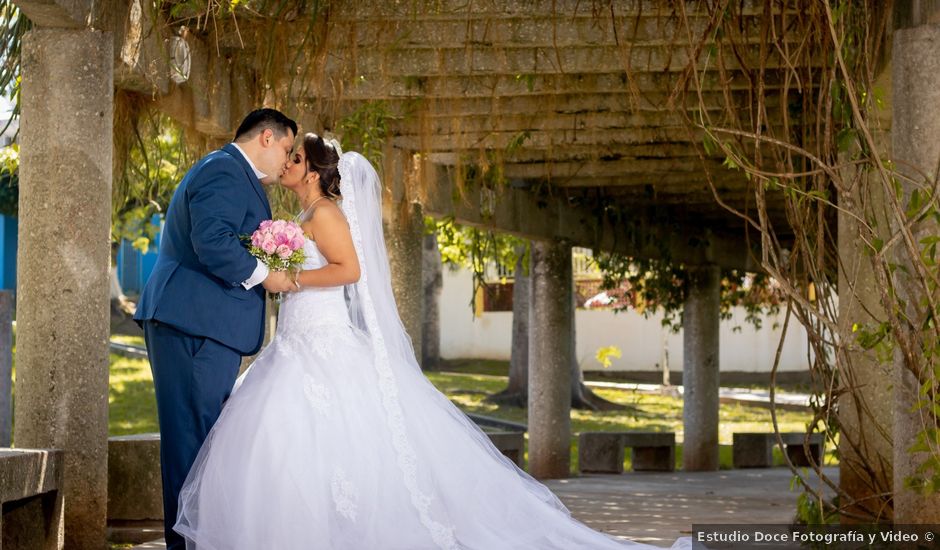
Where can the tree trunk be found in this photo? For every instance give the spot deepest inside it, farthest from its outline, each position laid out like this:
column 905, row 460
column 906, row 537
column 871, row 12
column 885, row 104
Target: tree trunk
column 432, row 278
column 517, row 393
column 582, row 397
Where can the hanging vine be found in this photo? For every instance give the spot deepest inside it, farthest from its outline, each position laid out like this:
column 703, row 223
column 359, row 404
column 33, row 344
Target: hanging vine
column 821, row 158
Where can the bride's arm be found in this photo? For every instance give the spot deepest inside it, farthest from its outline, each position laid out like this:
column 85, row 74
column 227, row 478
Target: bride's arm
column 331, row 233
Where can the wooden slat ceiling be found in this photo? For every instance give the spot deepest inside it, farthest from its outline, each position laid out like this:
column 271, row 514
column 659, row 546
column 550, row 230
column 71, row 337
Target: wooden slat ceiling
column 578, row 95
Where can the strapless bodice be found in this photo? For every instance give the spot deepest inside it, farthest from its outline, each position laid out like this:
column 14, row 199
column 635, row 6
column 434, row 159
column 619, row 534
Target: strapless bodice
column 313, row 306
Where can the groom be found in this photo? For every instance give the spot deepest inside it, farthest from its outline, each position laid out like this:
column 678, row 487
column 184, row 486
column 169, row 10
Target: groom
column 203, row 306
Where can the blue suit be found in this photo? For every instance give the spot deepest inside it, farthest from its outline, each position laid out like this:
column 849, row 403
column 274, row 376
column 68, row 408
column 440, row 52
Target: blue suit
column 197, row 317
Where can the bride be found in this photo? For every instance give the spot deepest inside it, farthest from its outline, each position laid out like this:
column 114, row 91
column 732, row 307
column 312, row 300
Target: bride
column 334, row 438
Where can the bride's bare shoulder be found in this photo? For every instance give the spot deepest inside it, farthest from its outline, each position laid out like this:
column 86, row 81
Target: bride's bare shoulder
column 328, row 213
column 323, row 218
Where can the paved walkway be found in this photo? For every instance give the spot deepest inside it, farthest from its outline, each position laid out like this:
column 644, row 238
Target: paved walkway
column 745, row 396
column 657, row 508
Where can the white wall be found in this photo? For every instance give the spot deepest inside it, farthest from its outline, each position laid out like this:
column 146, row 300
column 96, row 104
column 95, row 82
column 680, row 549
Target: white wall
column 641, row 341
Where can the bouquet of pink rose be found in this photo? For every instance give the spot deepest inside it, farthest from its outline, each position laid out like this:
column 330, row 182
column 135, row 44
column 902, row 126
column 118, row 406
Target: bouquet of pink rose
column 277, row 243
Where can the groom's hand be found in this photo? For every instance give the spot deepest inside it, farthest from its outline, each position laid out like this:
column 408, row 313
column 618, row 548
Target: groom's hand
column 278, row 281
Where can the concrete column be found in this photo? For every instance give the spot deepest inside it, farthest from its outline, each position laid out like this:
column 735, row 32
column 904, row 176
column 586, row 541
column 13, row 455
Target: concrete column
column 6, row 368
column 433, row 282
column 700, row 322
column 549, row 360
column 865, row 424
column 404, row 235
column 62, row 271
column 521, row 302
column 916, row 149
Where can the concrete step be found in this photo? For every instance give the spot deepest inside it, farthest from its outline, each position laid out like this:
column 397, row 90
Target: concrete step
column 152, row 545
column 134, row 532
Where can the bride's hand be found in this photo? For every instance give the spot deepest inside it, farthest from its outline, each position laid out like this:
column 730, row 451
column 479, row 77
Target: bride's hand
column 294, row 276
column 278, row 281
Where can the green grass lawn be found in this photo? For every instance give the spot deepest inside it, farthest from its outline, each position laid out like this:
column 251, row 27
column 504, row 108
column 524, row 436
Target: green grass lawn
column 133, row 409
column 129, row 340
column 645, row 412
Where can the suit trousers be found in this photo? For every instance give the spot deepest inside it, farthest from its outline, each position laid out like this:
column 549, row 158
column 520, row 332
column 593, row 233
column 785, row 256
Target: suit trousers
column 192, row 376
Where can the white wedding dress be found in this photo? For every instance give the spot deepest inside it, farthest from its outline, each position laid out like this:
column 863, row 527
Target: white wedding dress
column 331, row 441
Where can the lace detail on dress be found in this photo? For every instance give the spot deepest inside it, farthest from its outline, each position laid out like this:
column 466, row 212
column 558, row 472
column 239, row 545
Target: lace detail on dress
column 314, row 319
column 442, row 535
column 317, row 395
column 324, row 340
column 344, row 495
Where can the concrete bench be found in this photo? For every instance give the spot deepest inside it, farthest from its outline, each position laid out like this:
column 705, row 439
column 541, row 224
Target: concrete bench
column 603, row 452
column 31, row 497
column 755, row 450
column 135, row 488
column 511, row 444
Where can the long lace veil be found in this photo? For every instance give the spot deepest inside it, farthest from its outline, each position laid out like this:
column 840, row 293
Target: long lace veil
column 371, row 300
column 372, row 309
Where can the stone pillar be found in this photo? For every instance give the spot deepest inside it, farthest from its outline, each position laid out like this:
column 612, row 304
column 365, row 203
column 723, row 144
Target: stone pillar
column 700, row 375
column 6, row 368
column 916, row 149
column 549, row 360
column 433, row 281
column 865, row 424
column 521, row 302
column 62, row 265
column 404, row 235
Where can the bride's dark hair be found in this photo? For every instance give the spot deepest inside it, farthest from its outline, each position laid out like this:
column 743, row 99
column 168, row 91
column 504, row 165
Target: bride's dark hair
column 323, row 159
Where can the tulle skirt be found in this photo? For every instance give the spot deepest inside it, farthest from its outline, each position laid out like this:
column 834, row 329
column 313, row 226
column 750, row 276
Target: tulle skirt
column 315, row 450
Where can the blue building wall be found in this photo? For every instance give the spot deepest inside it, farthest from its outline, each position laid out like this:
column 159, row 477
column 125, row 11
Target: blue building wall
column 8, row 232
column 133, row 267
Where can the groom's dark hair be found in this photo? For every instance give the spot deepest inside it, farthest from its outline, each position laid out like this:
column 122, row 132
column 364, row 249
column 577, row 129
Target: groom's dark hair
column 260, row 120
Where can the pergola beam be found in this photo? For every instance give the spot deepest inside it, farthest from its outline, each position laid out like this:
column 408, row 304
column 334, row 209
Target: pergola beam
column 520, row 212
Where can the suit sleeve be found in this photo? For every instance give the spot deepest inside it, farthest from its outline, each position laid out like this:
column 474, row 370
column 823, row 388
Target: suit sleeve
column 217, row 208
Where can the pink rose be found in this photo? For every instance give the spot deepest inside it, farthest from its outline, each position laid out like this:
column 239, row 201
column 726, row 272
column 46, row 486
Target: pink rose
column 281, row 238
column 268, row 246
column 284, row 251
column 297, row 243
column 256, row 238
column 278, row 226
column 265, row 224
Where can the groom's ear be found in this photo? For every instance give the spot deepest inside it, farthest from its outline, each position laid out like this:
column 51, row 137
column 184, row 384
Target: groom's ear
column 266, row 137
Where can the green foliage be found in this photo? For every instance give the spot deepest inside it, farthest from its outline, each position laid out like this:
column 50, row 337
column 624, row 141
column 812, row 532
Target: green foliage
column 651, row 286
column 200, row 10
column 273, row 261
column 9, row 180
column 13, row 25
column 876, row 337
column 809, row 510
column 365, row 130
column 157, row 160
column 475, row 249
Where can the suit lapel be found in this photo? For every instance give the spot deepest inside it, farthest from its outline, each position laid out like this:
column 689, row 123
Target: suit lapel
column 255, row 183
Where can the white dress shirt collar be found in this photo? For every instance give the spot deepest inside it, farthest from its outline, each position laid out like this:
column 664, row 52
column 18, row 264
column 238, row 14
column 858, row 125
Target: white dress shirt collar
column 258, row 173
